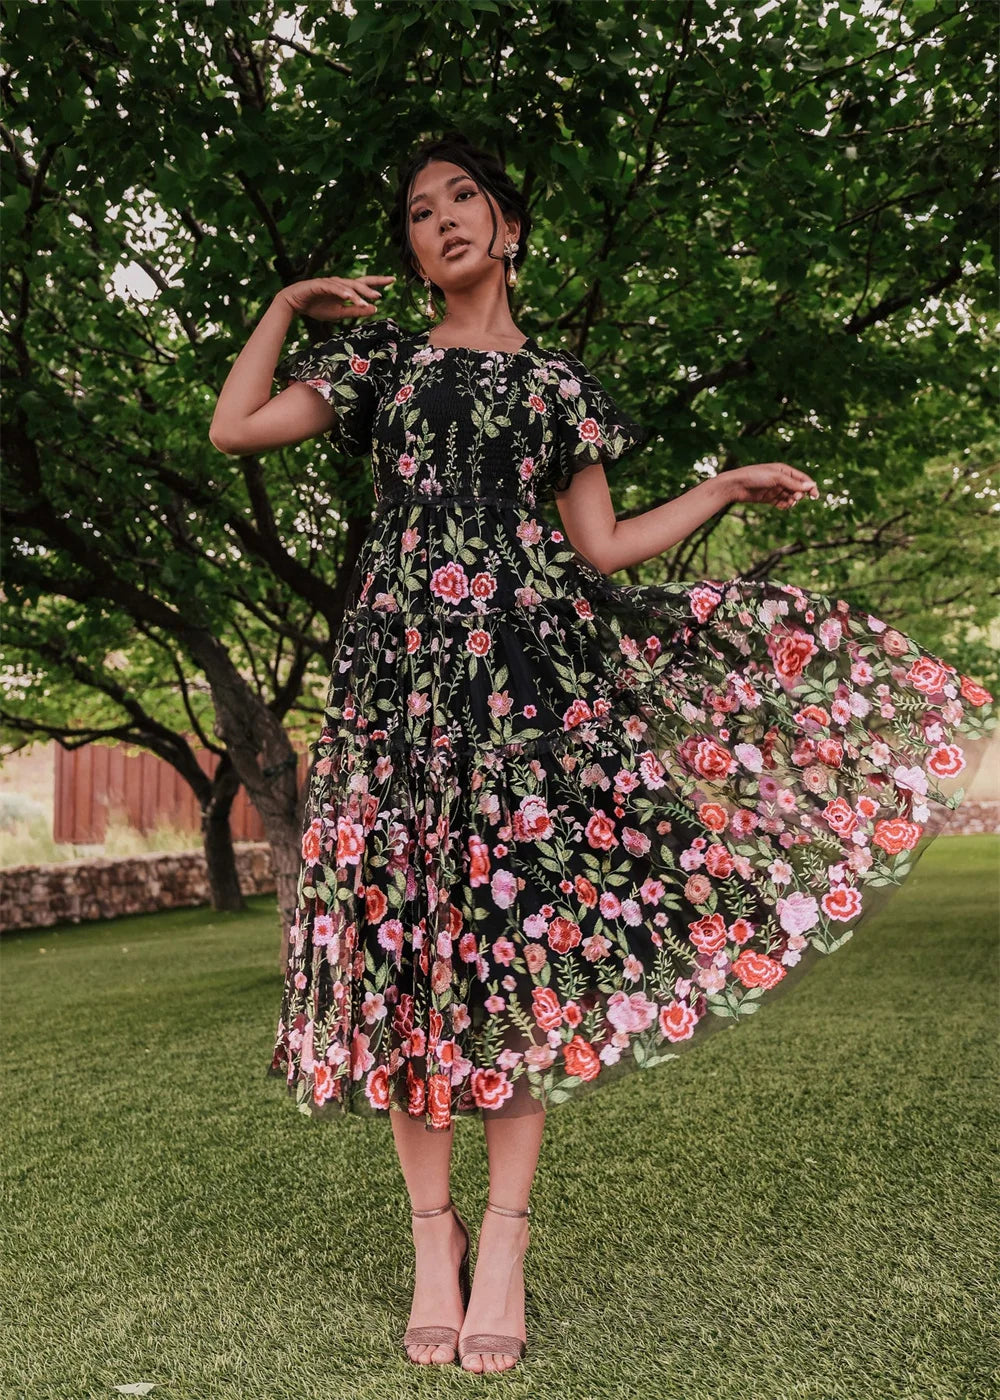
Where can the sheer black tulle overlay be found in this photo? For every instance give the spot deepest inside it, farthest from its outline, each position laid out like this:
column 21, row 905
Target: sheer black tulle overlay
column 558, row 830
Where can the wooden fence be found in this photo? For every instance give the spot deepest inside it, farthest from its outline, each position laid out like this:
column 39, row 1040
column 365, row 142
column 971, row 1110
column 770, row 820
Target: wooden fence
column 102, row 780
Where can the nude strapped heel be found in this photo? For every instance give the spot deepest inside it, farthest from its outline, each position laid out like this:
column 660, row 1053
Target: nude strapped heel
column 438, row 1336
column 490, row 1341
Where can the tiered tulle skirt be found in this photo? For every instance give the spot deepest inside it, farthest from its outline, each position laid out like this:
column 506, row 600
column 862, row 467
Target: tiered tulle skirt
column 558, row 831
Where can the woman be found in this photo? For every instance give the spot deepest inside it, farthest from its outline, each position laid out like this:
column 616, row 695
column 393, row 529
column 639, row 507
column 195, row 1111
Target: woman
column 556, row 830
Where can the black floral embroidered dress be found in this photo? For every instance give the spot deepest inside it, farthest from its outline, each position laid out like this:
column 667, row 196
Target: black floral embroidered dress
column 558, row 830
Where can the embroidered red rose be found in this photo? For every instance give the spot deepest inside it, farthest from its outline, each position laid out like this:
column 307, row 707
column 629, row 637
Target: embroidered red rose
column 545, row 1008
column 377, row 1087
column 491, row 1087
column 311, row 841
column 713, row 816
column 927, row 675
column 350, row 842
column 842, row 902
column 946, row 761
column 896, row 835
column 586, row 893
column 479, row 862
column 581, row 1059
column 840, row 816
column 635, row 841
column 704, row 602
column 577, row 713
column 376, row 905
column 450, row 583
column 677, row 1021
column 812, row 714
column 791, row 649
column 416, row 1092
column 707, row 757
column 601, row 832
column 718, row 861
column 757, row 969
column 708, row 934
column 830, row 751
column 483, row 587
column 439, row 1100
column 973, row 692
column 563, row 935
column 652, row 770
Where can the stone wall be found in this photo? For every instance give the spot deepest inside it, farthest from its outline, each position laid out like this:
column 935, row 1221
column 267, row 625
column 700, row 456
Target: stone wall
column 35, row 896
column 973, row 818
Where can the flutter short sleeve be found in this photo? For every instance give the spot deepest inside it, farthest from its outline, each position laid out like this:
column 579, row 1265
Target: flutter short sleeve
column 348, row 370
column 589, row 426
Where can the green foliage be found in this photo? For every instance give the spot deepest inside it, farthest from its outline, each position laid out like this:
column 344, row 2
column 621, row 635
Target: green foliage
column 773, row 236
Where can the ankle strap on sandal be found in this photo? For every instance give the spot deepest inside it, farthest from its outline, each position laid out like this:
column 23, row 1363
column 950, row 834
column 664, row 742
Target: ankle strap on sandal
column 505, row 1210
column 438, row 1210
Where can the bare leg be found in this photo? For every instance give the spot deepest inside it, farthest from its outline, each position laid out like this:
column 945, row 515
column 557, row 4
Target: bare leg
column 425, row 1158
column 497, row 1300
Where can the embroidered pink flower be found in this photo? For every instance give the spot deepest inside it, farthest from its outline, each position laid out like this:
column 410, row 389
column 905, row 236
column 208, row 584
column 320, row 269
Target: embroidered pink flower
column 577, row 713
column 503, row 887
column 532, row 821
column 450, row 583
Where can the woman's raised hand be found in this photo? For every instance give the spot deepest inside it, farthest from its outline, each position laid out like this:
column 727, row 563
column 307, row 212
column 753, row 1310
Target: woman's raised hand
column 334, row 298
column 774, row 483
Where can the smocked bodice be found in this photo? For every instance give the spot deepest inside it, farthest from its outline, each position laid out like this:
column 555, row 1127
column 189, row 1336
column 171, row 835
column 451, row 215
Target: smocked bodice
column 452, row 421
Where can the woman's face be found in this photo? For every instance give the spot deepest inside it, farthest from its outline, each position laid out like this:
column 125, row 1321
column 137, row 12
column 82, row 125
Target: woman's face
column 446, row 203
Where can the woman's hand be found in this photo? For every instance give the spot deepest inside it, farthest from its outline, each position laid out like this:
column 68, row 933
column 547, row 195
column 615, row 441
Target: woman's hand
column 773, row 483
column 323, row 298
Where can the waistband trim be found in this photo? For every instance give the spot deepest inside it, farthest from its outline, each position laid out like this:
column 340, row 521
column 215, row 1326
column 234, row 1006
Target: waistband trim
column 431, row 502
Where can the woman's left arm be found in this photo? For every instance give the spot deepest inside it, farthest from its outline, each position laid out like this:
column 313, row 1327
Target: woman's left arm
column 588, row 515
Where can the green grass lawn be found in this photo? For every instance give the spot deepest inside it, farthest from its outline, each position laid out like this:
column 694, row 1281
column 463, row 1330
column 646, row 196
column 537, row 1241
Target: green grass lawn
column 802, row 1208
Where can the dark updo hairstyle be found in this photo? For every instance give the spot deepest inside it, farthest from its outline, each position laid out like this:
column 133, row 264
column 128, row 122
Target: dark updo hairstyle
column 486, row 171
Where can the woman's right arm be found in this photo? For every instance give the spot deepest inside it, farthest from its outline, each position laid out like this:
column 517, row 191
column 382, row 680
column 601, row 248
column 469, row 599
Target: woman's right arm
column 247, row 418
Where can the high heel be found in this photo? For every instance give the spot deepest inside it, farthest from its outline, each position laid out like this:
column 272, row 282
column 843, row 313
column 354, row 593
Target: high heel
column 484, row 1342
column 442, row 1336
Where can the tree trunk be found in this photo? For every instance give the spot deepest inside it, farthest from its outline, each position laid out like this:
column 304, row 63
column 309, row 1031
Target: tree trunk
column 217, row 839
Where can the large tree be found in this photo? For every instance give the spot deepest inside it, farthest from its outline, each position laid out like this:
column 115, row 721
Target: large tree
column 771, row 234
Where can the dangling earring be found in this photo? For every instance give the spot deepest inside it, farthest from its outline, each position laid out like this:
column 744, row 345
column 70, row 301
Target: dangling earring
column 430, row 309
column 509, row 249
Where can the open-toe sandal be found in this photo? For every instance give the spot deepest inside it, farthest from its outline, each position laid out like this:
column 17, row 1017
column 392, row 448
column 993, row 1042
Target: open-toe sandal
column 442, row 1336
column 485, row 1342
